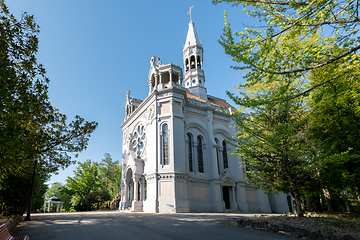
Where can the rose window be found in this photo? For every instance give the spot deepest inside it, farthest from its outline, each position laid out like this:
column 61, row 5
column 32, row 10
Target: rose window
column 139, row 140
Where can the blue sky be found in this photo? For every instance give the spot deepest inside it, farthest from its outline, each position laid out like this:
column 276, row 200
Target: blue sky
column 94, row 51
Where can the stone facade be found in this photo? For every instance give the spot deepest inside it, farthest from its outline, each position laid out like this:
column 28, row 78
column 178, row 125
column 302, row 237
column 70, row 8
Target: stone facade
column 175, row 158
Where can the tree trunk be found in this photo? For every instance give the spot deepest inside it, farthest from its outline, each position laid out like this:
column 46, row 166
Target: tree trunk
column 294, row 205
column 329, row 202
column 297, row 203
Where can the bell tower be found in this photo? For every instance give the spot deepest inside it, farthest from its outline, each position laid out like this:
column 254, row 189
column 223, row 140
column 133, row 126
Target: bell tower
column 193, row 56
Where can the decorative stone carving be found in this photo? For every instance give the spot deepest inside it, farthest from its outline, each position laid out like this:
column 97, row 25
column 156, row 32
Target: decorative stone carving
column 151, row 112
column 159, row 63
column 152, row 61
column 227, row 173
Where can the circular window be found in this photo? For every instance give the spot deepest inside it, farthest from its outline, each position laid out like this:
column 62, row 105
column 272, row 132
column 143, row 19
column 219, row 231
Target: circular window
column 199, row 81
column 139, row 140
column 193, row 80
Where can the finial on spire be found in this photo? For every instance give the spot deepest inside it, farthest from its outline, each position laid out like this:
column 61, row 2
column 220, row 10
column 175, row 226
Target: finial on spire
column 190, row 9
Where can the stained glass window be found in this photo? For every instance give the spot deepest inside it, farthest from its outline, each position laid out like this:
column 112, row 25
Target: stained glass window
column 190, row 152
column 139, row 140
column 165, row 143
column 225, row 157
column 200, row 154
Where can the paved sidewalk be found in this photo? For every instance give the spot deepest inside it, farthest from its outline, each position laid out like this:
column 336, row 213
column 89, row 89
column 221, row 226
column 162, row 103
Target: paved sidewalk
column 115, row 224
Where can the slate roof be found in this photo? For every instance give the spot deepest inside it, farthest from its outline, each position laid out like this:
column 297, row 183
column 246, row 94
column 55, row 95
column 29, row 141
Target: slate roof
column 213, row 100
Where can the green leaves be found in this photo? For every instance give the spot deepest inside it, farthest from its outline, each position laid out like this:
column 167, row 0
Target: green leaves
column 301, row 95
column 87, row 185
column 30, row 127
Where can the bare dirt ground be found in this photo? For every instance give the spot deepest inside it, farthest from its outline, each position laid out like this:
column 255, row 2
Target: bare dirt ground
column 339, row 226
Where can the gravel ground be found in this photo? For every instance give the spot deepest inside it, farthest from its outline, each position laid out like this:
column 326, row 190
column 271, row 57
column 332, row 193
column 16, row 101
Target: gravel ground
column 337, row 225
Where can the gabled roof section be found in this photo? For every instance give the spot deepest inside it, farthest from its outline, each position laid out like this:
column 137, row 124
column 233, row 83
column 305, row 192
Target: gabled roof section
column 192, row 38
column 219, row 102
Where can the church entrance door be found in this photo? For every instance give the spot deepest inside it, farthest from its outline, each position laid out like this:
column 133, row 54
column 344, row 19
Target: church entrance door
column 226, row 197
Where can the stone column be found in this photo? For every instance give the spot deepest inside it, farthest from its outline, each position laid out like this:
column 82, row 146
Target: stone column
column 142, row 190
column 233, row 193
column 126, row 193
column 161, row 80
column 135, row 189
column 234, row 199
column 170, row 77
column 222, row 197
column 156, row 81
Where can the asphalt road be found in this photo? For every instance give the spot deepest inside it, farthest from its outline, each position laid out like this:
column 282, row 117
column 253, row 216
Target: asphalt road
column 122, row 225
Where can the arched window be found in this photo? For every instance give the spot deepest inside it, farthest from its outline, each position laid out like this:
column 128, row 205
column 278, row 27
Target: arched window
column 200, row 154
column 217, row 154
column 190, row 152
column 165, row 144
column 225, row 158
column 187, row 65
column 198, row 62
column 192, row 62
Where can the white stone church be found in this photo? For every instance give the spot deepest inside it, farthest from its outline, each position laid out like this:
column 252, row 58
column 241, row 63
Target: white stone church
column 175, row 157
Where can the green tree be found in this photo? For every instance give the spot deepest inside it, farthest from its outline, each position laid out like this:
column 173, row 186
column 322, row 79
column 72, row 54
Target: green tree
column 294, row 38
column 110, row 173
column 59, row 190
column 14, row 191
column 30, row 127
column 272, row 142
column 335, row 131
column 85, row 181
column 314, row 43
column 98, row 197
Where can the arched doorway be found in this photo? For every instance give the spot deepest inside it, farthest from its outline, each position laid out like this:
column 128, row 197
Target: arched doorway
column 129, row 187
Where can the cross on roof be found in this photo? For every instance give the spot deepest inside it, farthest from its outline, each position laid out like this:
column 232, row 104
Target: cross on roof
column 190, row 9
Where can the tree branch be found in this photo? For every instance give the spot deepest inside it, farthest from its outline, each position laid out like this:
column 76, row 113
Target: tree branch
column 275, row 2
column 313, row 67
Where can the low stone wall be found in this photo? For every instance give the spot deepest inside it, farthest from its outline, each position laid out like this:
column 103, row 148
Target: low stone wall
column 12, row 222
column 289, row 230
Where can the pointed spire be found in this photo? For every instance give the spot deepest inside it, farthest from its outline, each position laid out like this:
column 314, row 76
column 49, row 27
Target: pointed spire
column 192, row 38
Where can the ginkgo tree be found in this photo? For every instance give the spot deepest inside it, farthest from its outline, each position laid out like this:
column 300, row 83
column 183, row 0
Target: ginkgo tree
column 303, row 55
column 308, row 32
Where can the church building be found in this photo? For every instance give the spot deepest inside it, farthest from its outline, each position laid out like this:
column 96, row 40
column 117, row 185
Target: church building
column 175, row 157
